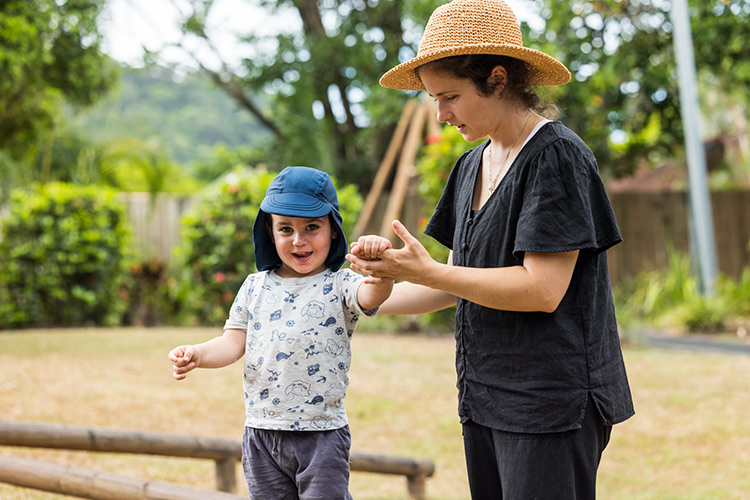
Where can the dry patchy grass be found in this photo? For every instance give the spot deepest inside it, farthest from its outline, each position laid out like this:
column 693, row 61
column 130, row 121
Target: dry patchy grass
column 689, row 440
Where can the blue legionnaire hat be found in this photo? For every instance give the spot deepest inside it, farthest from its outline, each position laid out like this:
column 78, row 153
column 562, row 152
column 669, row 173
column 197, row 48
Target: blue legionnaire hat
column 298, row 192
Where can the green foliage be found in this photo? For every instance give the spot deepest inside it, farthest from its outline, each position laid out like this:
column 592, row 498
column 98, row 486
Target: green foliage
column 187, row 114
column 50, row 52
column 326, row 107
column 63, row 257
column 622, row 59
column 671, row 299
column 217, row 241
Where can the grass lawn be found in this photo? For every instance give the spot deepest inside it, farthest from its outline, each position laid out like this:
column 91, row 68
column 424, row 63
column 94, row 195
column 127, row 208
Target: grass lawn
column 690, row 438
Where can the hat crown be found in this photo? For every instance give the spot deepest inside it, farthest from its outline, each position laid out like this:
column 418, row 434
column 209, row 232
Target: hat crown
column 304, row 181
column 475, row 27
column 463, row 23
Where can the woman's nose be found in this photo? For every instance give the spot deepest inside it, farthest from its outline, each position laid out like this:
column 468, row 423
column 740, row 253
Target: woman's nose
column 442, row 113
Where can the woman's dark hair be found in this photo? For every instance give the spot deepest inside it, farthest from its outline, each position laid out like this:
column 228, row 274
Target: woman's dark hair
column 478, row 68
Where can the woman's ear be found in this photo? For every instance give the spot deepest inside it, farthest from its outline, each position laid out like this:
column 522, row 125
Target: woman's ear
column 498, row 78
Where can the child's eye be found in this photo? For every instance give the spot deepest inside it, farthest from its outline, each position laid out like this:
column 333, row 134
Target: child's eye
column 285, row 229
column 312, row 227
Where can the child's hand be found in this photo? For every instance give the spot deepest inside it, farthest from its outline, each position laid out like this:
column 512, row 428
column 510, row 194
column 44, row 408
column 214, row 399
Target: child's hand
column 370, row 247
column 183, row 360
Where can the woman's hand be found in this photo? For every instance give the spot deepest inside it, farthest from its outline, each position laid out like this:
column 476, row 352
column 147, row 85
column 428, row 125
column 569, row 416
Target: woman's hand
column 411, row 263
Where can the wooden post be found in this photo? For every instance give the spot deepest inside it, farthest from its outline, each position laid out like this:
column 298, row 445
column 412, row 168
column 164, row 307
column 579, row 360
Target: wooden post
column 226, row 475
column 384, row 170
column 405, row 171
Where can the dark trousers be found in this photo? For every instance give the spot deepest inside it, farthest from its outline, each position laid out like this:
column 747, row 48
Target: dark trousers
column 556, row 466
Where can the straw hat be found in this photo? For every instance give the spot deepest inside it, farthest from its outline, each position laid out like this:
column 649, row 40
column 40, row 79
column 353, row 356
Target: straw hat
column 474, row 27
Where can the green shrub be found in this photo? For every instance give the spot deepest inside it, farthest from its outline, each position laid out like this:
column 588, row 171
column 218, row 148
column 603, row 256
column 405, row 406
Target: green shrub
column 671, row 299
column 217, row 234
column 62, row 257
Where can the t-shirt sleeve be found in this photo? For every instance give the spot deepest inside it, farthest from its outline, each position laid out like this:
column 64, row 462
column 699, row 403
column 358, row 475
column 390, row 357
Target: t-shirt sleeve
column 349, row 282
column 239, row 313
column 565, row 204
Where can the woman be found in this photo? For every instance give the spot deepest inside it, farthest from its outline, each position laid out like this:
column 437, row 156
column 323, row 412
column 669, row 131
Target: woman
column 541, row 377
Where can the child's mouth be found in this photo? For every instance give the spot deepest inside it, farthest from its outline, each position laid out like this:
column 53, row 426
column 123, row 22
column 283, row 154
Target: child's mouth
column 302, row 256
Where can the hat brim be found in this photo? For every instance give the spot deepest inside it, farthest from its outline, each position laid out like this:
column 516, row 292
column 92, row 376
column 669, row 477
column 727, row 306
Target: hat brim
column 546, row 69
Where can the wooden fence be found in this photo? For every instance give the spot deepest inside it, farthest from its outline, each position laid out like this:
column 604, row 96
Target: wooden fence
column 224, row 452
column 650, row 223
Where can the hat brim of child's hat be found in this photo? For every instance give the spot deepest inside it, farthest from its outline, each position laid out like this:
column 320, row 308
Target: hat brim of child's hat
column 546, row 70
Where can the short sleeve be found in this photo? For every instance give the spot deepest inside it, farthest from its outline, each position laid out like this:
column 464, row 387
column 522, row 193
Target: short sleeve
column 239, row 313
column 565, row 205
column 442, row 224
column 348, row 283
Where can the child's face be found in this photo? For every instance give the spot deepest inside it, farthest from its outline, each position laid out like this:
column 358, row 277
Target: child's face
column 302, row 244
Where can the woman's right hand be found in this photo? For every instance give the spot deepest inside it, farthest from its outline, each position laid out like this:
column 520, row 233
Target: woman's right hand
column 411, row 263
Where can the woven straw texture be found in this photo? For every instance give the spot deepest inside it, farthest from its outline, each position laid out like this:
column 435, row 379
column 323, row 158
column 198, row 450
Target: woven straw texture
column 474, row 27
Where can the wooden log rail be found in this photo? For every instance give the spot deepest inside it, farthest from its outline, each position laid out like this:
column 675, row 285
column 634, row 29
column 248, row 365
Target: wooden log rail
column 225, row 452
column 96, row 485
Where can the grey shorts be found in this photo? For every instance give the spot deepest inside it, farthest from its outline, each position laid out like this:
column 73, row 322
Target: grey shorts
column 297, row 465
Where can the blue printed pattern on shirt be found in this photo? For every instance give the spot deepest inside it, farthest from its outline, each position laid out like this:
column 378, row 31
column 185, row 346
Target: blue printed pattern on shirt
column 298, row 351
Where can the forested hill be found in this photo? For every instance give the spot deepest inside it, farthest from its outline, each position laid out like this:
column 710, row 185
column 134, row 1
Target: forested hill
column 189, row 114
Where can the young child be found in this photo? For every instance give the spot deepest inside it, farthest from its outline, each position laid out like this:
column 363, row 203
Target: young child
column 293, row 321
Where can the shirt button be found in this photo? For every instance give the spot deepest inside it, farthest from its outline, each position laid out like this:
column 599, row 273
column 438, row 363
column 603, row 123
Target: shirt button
column 471, row 221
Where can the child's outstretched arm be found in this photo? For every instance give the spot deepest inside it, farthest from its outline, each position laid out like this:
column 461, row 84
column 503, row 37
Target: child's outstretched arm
column 215, row 353
column 374, row 291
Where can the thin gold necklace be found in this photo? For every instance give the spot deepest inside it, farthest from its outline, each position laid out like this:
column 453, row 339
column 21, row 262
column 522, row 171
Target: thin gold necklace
column 493, row 180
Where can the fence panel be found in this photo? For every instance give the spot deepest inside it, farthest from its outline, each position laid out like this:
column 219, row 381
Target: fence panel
column 653, row 222
column 156, row 222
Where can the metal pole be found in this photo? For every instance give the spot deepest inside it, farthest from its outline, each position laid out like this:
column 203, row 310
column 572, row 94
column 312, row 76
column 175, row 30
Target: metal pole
column 700, row 201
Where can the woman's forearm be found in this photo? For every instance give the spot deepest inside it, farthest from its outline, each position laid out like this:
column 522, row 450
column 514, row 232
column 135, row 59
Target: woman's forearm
column 538, row 285
column 408, row 298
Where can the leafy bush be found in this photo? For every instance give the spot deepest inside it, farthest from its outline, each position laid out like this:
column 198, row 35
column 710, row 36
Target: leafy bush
column 217, row 250
column 63, row 257
column 671, row 299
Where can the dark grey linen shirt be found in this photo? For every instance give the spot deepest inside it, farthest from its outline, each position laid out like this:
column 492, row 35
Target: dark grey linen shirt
column 533, row 372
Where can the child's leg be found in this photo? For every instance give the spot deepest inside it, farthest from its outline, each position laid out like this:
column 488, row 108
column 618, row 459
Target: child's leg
column 261, row 461
column 322, row 459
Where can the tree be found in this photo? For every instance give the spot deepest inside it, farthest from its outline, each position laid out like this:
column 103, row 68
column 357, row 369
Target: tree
column 326, row 108
column 624, row 77
column 49, row 53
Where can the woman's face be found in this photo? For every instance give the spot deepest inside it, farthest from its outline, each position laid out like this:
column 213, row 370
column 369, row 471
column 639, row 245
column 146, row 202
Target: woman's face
column 460, row 104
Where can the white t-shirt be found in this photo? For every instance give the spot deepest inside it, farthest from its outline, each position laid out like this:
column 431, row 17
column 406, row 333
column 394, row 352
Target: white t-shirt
column 297, row 352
